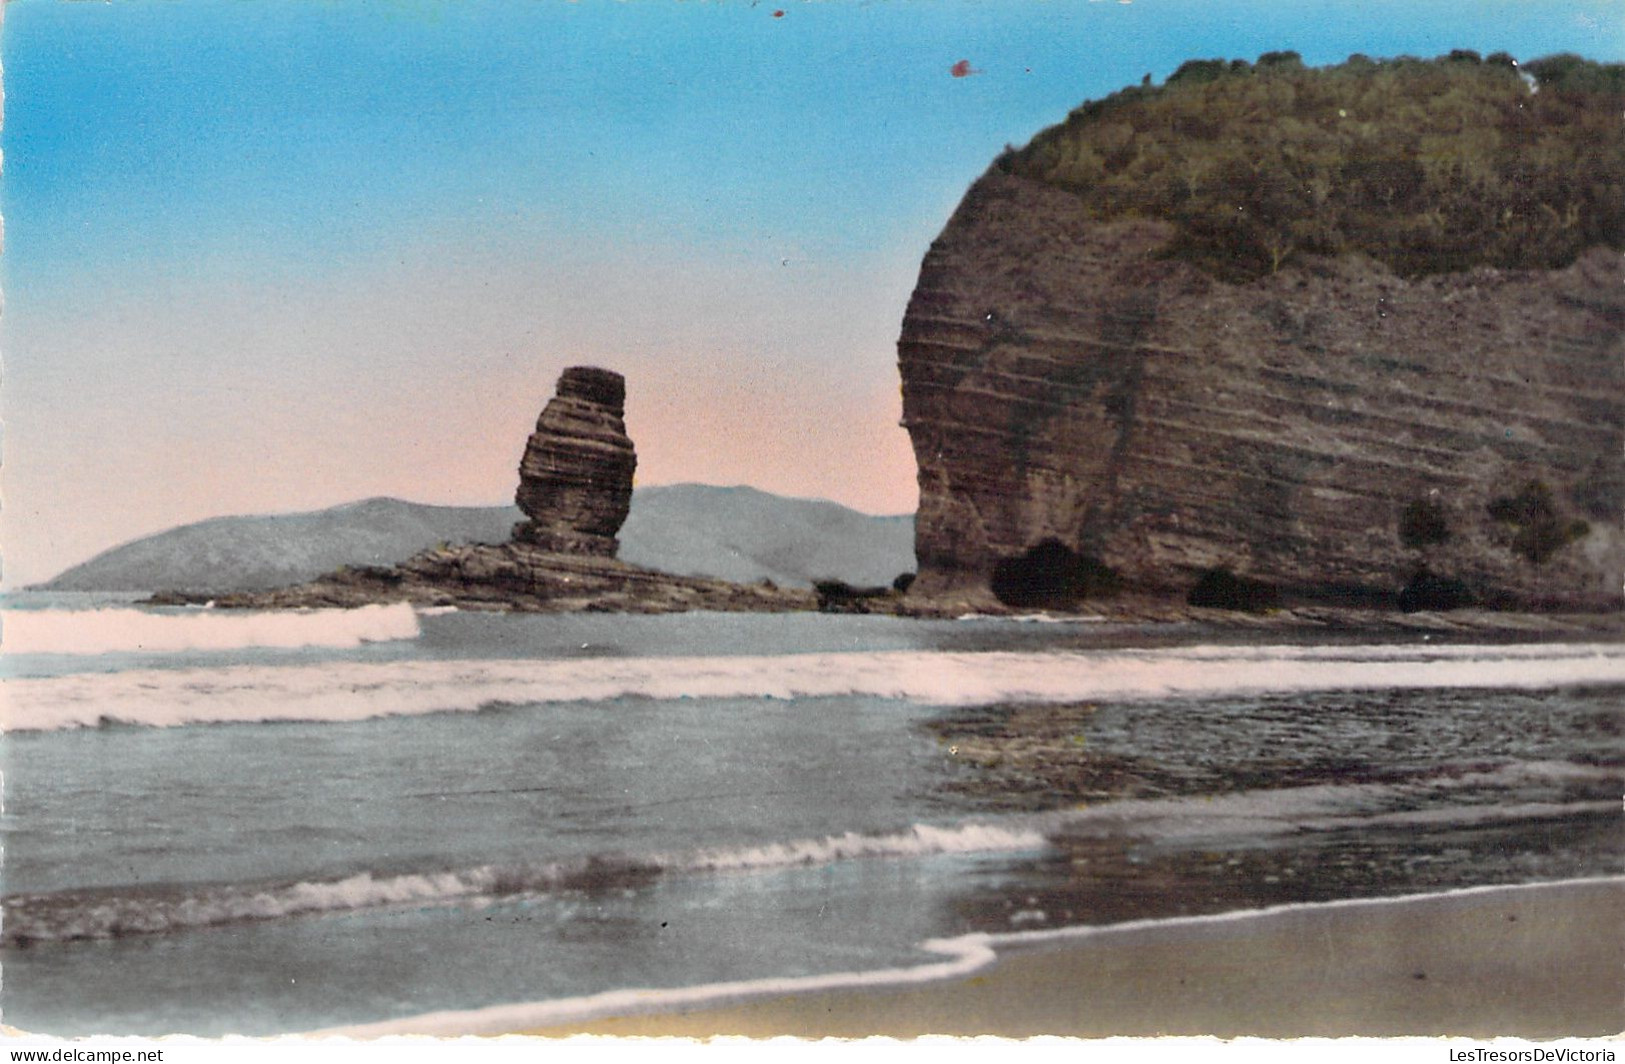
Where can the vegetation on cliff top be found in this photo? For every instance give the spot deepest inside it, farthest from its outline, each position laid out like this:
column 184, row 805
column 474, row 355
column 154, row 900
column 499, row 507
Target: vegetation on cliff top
column 1427, row 166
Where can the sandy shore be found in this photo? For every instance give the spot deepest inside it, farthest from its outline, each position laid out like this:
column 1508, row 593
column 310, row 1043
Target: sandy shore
column 1538, row 962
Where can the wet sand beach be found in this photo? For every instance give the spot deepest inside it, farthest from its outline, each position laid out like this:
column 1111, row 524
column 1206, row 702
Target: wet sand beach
column 1534, row 962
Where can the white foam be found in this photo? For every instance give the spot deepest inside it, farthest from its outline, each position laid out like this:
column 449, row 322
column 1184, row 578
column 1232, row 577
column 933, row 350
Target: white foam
column 350, row 691
column 965, row 954
column 45, row 918
column 125, row 630
column 920, row 840
column 1429, row 652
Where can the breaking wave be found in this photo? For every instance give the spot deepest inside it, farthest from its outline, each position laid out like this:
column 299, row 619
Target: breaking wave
column 137, row 631
column 103, row 913
column 351, row 691
column 114, row 913
column 921, row 840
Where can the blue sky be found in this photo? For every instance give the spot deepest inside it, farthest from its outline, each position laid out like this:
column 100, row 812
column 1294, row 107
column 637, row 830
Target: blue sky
column 266, row 255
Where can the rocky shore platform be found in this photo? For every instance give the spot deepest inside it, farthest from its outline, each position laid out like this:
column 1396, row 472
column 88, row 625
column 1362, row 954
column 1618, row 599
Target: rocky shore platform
column 512, row 577
column 518, row 577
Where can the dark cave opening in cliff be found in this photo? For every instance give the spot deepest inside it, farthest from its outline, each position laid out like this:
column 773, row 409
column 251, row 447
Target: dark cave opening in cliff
column 1051, row 576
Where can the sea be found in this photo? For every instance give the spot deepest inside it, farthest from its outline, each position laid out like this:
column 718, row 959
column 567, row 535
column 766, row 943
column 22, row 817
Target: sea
column 386, row 818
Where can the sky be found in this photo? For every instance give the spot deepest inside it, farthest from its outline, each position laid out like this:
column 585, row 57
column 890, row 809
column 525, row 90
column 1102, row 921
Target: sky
column 274, row 255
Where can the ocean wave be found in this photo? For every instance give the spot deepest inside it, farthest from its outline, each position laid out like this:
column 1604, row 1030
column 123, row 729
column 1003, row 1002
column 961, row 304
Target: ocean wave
column 350, row 691
column 109, row 913
column 921, row 840
column 1446, row 797
column 122, row 630
column 103, row 913
column 94, row 914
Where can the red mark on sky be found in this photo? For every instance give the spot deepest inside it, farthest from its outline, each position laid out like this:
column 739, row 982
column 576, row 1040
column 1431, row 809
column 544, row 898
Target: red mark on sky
column 778, row 14
column 963, row 69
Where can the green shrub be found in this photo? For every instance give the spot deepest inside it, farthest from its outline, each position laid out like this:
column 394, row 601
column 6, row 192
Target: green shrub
column 1569, row 73
column 1427, row 166
column 1199, row 70
column 1540, row 530
column 1273, row 60
column 1422, row 524
column 1425, row 591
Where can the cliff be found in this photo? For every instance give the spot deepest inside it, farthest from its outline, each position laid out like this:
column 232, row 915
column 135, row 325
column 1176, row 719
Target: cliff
column 1094, row 407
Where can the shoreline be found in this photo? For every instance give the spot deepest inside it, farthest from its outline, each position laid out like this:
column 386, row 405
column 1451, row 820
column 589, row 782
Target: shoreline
column 518, row 578
column 1536, row 962
column 1539, row 961
column 1160, row 618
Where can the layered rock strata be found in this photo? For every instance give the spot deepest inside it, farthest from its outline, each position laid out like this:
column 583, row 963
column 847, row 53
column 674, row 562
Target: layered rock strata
column 575, row 479
column 1064, row 381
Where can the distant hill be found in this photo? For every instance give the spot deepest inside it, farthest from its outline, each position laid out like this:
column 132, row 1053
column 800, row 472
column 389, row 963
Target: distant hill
column 746, row 535
column 262, row 551
column 691, row 529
